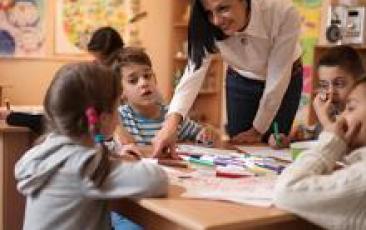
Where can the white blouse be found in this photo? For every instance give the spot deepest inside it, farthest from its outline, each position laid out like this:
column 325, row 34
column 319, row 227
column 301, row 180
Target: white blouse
column 265, row 50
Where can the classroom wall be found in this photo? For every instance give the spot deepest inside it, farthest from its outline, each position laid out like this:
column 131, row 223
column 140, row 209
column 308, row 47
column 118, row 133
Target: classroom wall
column 26, row 79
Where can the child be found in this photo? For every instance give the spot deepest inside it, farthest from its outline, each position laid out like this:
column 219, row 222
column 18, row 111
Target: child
column 311, row 188
column 103, row 44
column 337, row 69
column 144, row 113
column 68, row 177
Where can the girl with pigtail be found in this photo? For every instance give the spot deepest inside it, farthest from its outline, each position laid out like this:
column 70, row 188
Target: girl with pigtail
column 68, row 177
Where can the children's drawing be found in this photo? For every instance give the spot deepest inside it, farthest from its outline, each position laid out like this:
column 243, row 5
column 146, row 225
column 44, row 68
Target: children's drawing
column 76, row 21
column 22, row 28
column 310, row 11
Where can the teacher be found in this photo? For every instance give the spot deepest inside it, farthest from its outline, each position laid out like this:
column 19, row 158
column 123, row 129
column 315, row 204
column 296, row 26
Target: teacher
column 259, row 41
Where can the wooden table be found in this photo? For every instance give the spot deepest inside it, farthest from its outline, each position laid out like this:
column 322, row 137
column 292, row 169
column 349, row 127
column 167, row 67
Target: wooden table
column 175, row 212
column 14, row 141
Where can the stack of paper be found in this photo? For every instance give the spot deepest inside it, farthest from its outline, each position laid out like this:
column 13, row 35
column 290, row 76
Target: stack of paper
column 203, row 184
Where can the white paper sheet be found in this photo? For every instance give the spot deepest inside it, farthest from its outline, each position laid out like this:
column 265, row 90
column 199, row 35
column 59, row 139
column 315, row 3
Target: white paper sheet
column 203, row 184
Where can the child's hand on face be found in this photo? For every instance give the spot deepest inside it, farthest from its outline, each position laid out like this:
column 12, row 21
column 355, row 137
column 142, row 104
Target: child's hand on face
column 344, row 130
column 130, row 152
column 283, row 143
column 323, row 106
column 206, row 136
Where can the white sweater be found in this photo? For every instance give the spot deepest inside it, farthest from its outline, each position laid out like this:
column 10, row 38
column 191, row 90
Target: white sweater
column 313, row 190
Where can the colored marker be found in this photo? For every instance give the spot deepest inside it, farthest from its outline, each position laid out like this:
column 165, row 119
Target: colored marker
column 201, row 161
column 278, row 170
column 232, row 172
column 276, row 134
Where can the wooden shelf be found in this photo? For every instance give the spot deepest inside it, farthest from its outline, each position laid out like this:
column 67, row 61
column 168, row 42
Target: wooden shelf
column 207, row 92
column 357, row 47
column 210, row 95
column 181, row 25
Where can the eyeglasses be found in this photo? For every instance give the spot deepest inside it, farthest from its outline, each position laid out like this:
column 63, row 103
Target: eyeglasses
column 337, row 83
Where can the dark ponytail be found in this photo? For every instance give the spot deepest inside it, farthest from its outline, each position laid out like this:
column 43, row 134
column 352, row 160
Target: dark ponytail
column 202, row 34
column 78, row 94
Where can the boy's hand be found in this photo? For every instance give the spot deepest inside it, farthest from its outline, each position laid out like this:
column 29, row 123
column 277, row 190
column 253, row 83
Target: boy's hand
column 164, row 141
column 207, row 135
column 344, row 130
column 323, row 106
column 285, row 141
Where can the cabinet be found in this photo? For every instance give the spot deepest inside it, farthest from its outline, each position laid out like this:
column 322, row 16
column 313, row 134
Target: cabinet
column 207, row 107
column 318, row 52
column 14, row 141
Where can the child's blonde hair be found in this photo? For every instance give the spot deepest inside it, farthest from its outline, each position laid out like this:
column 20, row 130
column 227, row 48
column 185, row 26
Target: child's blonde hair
column 75, row 89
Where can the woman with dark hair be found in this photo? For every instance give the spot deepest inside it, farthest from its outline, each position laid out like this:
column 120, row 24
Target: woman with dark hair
column 258, row 40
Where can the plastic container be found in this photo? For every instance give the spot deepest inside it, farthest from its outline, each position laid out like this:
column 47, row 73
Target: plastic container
column 298, row 147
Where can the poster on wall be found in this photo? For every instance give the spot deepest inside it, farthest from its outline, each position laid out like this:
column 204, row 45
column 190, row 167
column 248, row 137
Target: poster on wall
column 22, row 28
column 77, row 19
column 310, row 12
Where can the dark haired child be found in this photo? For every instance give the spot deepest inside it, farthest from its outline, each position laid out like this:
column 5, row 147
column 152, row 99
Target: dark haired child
column 68, row 177
column 338, row 69
column 144, row 112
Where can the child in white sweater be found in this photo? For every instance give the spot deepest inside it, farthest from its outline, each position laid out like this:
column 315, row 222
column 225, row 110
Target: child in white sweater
column 312, row 187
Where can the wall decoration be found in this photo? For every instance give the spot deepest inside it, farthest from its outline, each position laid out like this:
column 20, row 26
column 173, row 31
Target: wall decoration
column 77, row 19
column 310, row 12
column 22, row 28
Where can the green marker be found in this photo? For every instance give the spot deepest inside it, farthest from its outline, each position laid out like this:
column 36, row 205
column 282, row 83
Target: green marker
column 276, row 134
column 201, row 162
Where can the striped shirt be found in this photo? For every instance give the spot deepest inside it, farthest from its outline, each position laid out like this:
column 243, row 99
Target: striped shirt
column 144, row 129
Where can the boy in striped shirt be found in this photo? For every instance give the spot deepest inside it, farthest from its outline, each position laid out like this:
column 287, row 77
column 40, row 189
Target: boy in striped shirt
column 143, row 113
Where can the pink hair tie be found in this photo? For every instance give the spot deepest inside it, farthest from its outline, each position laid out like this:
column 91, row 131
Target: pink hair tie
column 92, row 115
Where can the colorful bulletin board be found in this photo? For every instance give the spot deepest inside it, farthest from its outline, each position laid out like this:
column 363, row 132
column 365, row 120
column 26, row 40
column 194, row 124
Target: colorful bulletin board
column 22, row 28
column 310, row 11
column 76, row 21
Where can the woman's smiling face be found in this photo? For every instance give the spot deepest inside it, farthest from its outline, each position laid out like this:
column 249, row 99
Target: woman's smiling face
column 230, row 16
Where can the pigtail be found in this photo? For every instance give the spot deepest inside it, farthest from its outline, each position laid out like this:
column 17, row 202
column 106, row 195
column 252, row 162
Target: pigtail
column 102, row 170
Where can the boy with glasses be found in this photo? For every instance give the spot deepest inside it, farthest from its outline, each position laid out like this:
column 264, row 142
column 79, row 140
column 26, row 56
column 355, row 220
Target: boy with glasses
column 338, row 69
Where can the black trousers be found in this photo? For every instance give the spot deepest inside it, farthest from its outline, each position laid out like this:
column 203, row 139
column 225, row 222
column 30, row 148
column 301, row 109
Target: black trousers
column 243, row 96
